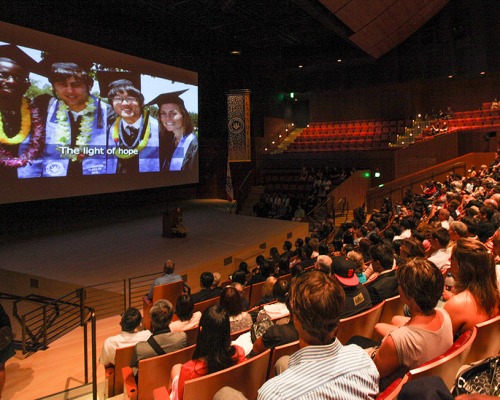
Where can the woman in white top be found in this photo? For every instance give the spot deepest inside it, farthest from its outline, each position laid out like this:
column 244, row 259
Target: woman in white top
column 184, row 311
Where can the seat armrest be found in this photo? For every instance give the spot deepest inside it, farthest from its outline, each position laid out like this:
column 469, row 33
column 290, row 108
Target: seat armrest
column 129, row 384
column 161, row 393
column 146, row 299
column 109, row 376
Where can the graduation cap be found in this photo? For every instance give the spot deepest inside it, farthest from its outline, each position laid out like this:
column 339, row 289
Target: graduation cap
column 15, row 54
column 105, row 78
column 172, row 97
column 45, row 65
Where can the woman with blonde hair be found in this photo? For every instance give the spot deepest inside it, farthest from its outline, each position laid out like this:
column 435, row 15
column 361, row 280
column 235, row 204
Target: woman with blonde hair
column 360, row 265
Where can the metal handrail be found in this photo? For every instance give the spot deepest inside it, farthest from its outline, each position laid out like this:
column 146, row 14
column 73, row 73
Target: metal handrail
column 55, row 318
column 283, row 130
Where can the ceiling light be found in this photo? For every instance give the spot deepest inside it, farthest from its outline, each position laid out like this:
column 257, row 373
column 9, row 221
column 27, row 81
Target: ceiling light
column 483, row 73
column 450, row 76
column 235, row 52
column 339, row 60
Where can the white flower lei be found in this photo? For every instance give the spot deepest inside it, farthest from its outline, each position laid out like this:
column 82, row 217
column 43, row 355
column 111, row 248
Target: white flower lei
column 63, row 130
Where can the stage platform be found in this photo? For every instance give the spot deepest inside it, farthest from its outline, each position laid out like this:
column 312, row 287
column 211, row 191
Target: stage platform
column 216, row 241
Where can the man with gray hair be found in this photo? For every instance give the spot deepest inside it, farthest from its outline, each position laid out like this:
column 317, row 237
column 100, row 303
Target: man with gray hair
column 457, row 230
column 324, row 263
column 163, row 340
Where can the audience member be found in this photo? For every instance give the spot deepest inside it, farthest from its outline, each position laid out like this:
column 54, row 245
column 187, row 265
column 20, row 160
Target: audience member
column 167, row 277
column 217, row 278
column 287, row 250
column 323, row 367
column 324, row 263
column 386, row 284
column 163, row 340
column 476, row 297
column 129, row 336
column 278, row 309
column 276, row 335
column 239, row 277
column 188, row 319
column 357, row 298
column 267, row 291
column 360, row 265
column 230, row 300
column 213, row 351
column 411, row 248
column 426, row 335
column 207, row 291
column 438, row 252
column 486, row 227
column 495, row 105
column 496, row 252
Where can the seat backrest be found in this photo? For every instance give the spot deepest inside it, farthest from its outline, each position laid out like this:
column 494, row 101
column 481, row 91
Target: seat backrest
column 487, row 342
column 392, row 391
column 278, row 352
column 246, row 292
column 247, row 377
column 123, row 356
column 169, row 291
column 447, row 365
column 360, row 324
column 393, row 306
column 203, row 305
column 256, row 293
column 154, row 372
column 192, row 335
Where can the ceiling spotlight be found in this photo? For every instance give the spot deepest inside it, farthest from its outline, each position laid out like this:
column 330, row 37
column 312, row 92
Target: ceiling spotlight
column 483, row 73
column 450, row 76
column 235, row 52
column 339, row 60
column 300, row 66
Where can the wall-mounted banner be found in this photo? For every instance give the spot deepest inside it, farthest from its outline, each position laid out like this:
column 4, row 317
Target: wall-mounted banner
column 238, row 125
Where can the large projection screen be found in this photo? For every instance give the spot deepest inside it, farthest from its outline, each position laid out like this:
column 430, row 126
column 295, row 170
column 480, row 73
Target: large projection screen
column 100, row 157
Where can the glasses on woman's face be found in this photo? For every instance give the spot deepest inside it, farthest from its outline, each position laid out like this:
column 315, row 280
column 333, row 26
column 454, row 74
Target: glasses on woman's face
column 120, row 100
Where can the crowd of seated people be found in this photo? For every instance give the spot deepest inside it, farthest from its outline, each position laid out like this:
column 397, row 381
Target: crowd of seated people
column 406, row 249
column 295, row 206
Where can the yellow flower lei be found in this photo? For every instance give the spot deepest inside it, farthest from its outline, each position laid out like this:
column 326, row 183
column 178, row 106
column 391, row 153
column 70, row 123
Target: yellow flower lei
column 63, row 129
column 25, row 126
column 142, row 143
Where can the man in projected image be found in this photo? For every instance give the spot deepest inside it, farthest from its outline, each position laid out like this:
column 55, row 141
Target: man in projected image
column 22, row 130
column 178, row 142
column 134, row 134
column 76, row 125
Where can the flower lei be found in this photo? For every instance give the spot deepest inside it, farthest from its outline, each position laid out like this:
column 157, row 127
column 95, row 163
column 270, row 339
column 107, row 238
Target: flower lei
column 63, row 130
column 142, row 143
column 30, row 118
column 25, row 126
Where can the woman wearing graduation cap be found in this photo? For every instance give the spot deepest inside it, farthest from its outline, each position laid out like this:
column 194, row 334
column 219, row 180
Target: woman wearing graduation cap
column 178, row 143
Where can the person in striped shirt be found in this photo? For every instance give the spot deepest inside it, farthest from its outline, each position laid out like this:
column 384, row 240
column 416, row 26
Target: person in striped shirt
column 322, row 368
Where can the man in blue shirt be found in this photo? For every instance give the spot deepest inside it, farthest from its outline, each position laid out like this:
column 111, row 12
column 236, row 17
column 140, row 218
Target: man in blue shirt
column 167, row 277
